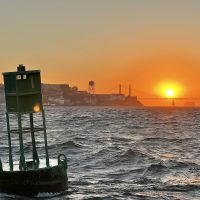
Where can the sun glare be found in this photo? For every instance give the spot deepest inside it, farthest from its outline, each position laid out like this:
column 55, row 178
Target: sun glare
column 36, row 108
column 169, row 89
column 170, row 93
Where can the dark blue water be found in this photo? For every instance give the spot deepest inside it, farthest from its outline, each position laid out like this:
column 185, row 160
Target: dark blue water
column 122, row 153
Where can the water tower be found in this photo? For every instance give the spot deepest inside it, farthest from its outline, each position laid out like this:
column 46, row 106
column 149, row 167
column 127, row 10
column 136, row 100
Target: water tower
column 91, row 87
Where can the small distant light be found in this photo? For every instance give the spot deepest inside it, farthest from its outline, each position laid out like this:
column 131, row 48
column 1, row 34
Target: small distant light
column 36, row 108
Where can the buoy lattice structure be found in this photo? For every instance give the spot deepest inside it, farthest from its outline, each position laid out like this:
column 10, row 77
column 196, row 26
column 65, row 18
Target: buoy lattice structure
column 23, row 96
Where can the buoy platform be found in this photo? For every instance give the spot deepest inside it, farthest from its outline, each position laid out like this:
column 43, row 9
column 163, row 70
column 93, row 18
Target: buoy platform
column 29, row 177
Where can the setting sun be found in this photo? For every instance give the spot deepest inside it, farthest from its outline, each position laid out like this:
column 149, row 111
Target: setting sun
column 170, row 93
column 169, row 89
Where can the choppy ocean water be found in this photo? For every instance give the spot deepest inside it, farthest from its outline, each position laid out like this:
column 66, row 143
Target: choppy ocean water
column 121, row 153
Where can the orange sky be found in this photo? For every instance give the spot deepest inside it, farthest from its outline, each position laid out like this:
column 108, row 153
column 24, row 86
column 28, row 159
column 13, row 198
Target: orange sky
column 142, row 43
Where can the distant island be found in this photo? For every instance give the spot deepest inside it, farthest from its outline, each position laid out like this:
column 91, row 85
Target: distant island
column 63, row 94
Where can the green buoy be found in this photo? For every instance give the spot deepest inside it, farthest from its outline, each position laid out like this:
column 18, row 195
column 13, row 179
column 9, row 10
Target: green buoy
column 24, row 97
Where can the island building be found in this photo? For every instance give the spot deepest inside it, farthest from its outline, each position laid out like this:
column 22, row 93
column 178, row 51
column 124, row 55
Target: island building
column 64, row 95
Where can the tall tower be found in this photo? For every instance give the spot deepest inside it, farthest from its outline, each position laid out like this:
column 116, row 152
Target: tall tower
column 91, row 87
column 120, row 89
column 129, row 90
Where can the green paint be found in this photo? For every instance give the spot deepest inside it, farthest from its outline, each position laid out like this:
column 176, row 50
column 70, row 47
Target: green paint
column 9, row 143
column 62, row 160
column 1, row 166
column 35, row 155
column 22, row 91
column 22, row 158
column 23, row 96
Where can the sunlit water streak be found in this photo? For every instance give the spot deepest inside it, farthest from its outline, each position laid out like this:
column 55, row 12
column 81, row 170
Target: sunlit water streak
column 121, row 153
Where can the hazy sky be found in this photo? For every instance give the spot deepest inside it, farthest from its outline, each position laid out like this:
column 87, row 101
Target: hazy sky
column 142, row 42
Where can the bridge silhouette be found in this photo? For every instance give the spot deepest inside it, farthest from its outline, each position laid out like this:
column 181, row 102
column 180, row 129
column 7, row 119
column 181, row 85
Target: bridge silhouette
column 167, row 98
column 141, row 95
